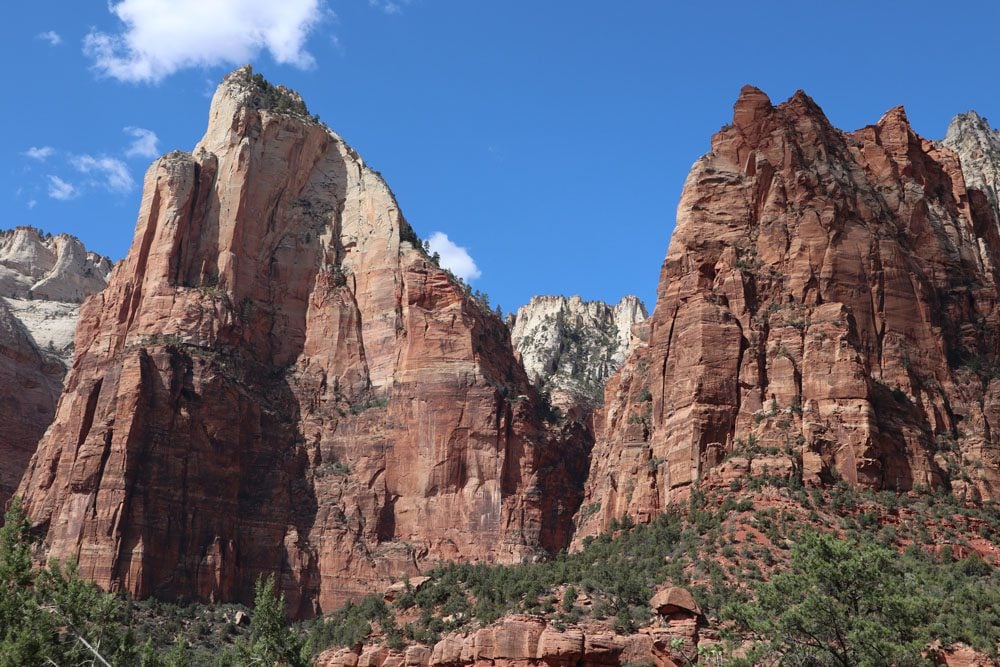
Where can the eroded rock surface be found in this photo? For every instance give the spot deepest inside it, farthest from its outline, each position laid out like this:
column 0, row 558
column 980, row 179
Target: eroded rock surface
column 277, row 379
column 39, row 266
column 828, row 302
column 30, row 381
column 978, row 147
column 530, row 641
column 570, row 347
column 43, row 279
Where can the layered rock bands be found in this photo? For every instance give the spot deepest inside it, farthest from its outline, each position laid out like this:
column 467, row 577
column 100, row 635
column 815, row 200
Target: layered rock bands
column 278, row 379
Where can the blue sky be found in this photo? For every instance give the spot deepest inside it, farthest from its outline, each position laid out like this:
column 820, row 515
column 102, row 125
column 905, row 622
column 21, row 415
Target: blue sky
column 549, row 139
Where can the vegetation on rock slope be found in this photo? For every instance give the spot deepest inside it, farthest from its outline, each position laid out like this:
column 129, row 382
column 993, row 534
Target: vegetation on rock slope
column 899, row 554
column 893, row 572
column 49, row 616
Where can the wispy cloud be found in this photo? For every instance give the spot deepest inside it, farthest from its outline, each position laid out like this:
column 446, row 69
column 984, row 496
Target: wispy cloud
column 454, row 257
column 160, row 37
column 100, row 171
column 145, row 143
column 389, row 6
column 112, row 172
column 50, row 36
column 60, row 189
column 40, row 153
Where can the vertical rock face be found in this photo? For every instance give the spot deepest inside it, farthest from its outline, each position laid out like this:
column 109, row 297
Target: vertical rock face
column 570, row 347
column 827, row 298
column 978, row 146
column 277, row 379
column 43, row 279
column 30, row 382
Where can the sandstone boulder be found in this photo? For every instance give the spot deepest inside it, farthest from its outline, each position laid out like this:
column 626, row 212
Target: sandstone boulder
column 675, row 600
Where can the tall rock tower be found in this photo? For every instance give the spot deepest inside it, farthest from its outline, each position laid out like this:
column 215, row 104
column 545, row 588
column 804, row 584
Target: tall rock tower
column 829, row 304
column 278, row 379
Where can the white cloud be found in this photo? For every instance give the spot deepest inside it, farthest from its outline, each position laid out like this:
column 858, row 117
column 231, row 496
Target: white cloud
column 160, row 37
column 32, row 203
column 50, row 36
column 113, row 171
column 40, row 153
column 455, row 258
column 60, row 189
column 144, row 144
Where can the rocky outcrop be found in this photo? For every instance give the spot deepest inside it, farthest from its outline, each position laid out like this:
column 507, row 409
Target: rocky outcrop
column 828, row 299
column 278, row 379
column 40, row 266
column 43, row 279
column 674, row 600
column 530, row 641
column 978, row 147
column 570, row 347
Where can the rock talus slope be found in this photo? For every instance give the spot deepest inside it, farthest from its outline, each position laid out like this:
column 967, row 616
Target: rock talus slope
column 569, row 347
column 42, row 281
column 277, row 379
column 828, row 306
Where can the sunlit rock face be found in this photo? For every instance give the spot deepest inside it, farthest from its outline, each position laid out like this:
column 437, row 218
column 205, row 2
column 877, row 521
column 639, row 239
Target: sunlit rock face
column 278, row 379
column 978, row 148
column 829, row 301
column 570, row 347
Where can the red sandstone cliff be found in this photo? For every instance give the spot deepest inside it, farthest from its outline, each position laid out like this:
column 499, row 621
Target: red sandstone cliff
column 278, row 379
column 828, row 304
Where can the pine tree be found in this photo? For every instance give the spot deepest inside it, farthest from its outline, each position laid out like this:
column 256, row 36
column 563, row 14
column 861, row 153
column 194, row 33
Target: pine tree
column 840, row 603
column 50, row 615
column 24, row 630
column 271, row 641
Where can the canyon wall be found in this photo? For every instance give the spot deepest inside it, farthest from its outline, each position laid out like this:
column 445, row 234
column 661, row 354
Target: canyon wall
column 828, row 303
column 43, row 279
column 279, row 379
column 570, row 347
